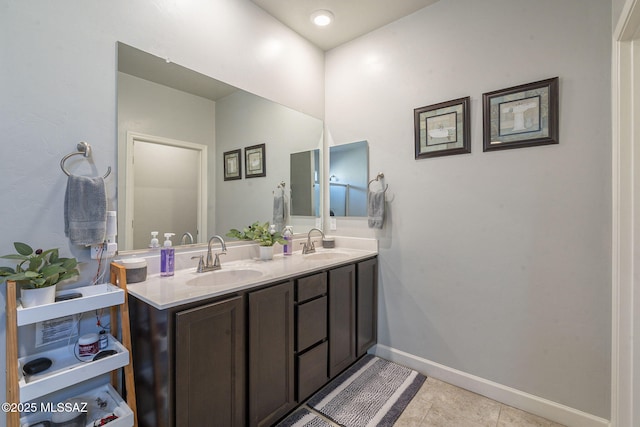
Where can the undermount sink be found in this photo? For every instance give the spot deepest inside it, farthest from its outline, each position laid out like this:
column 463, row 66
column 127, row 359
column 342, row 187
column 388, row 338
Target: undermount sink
column 326, row 256
column 224, row 277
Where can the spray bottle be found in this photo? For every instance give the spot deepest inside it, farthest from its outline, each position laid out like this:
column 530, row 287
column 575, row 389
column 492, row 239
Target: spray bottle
column 167, row 256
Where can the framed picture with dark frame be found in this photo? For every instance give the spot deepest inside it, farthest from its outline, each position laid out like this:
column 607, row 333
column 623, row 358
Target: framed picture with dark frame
column 232, row 165
column 521, row 116
column 254, row 161
column 442, row 129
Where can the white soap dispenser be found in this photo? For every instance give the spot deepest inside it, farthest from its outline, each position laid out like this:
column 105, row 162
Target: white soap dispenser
column 154, row 244
column 167, row 256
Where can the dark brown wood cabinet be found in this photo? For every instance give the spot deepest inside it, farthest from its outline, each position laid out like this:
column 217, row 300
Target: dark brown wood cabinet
column 367, row 305
column 249, row 358
column 342, row 318
column 210, row 365
column 190, row 363
column 271, row 354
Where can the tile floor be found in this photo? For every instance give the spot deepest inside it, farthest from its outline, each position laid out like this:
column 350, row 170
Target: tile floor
column 438, row 404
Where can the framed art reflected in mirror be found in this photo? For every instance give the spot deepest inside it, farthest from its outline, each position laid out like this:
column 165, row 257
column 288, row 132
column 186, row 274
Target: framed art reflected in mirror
column 254, row 161
column 232, row 165
column 442, row 129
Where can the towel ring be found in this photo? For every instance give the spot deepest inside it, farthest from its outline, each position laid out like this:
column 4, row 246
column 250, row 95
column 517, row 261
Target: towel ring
column 378, row 178
column 279, row 187
column 85, row 150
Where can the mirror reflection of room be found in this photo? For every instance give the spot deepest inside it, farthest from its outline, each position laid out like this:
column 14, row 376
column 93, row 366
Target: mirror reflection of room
column 348, row 178
column 160, row 99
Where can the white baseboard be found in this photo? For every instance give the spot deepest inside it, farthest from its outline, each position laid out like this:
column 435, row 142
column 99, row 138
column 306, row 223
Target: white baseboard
column 509, row 396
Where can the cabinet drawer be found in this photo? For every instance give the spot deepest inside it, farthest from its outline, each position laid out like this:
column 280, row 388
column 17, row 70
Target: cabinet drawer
column 312, row 323
column 311, row 286
column 312, row 371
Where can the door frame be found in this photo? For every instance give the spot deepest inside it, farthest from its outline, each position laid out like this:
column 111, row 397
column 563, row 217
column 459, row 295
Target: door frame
column 625, row 380
column 132, row 137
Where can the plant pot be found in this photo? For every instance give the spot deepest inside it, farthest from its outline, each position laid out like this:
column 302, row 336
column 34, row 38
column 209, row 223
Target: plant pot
column 37, row 296
column 266, row 253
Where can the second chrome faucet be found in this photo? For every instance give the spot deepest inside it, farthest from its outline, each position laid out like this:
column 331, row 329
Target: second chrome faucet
column 309, row 247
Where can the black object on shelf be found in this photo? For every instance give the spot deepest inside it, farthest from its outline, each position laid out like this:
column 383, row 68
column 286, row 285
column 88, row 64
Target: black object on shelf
column 66, row 297
column 103, row 354
column 36, row 366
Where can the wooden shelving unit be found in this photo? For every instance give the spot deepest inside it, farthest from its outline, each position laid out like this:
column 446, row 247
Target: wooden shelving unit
column 67, row 370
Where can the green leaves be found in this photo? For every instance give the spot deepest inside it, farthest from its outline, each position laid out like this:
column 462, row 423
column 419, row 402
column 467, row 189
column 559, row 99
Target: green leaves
column 259, row 233
column 6, row 271
column 23, row 248
column 38, row 269
column 69, row 263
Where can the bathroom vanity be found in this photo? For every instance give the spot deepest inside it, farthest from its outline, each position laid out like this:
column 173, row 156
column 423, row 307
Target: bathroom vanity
column 248, row 343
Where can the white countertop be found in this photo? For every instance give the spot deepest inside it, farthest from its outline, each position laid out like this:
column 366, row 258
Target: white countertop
column 188, row 286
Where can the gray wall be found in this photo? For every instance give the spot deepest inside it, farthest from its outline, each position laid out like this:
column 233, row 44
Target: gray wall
column 496, row 264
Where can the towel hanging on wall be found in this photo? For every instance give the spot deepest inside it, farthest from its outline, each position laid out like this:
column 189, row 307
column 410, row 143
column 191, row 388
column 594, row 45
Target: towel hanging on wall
column 375, row 205
column 85, row 210
column 279, row 207
column 376, row 209
column 85, row 203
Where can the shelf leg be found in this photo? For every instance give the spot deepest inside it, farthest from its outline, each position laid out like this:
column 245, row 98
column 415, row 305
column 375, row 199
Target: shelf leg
column 13, row 391
column 119, row 278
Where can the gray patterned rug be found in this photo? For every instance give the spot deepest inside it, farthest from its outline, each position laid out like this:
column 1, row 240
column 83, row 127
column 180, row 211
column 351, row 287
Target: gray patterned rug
column 372, row 392
column 303, row 418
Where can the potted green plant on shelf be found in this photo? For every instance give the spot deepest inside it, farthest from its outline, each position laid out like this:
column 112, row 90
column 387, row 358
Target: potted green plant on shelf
column 264, row 235
column 37, row 273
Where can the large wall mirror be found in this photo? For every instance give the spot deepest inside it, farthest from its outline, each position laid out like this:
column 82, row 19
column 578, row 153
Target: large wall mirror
column 348, row 179
column 179, row 108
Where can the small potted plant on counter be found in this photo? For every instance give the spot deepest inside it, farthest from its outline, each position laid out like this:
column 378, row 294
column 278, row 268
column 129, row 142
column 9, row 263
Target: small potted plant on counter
column 37, row 273
column 263, row 234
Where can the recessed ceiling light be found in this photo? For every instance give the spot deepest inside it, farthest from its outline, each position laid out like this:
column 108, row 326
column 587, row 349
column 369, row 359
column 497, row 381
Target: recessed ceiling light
column 322, row 18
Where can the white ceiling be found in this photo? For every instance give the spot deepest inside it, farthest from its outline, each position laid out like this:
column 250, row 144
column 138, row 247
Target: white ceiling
column 353, row 18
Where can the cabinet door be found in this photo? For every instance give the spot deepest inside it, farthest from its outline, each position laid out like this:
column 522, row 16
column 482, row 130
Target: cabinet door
column 210, row 365
column 367, row 303
column 271, row 354
column 342, row 318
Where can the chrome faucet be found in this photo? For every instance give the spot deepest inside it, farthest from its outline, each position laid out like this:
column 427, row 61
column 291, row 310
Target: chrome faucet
column 215, row 265
column 309, row 246
column 211, row 264
column 186, row 236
